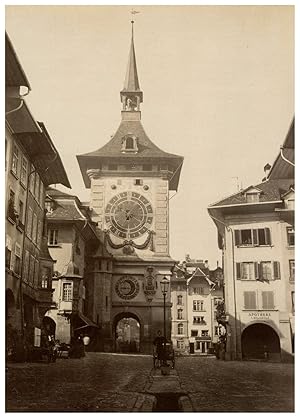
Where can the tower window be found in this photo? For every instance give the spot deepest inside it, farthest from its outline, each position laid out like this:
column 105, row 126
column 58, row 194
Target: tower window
column 129, row 144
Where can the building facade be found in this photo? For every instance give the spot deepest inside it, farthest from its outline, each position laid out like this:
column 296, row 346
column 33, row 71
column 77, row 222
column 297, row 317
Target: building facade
column 130, row 179
column 256, row 233
column 72, row 239
column 32, row 163
column 195, row 293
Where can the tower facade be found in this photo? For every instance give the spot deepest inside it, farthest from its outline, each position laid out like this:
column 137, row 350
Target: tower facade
column 130, row 179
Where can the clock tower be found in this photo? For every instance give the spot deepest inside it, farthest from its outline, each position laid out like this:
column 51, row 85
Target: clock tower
column 130, row 179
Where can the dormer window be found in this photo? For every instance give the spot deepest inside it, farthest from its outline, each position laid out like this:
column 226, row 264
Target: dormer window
column 129, row 144
column 252, row 194
column 252, row 197
column 49, row 206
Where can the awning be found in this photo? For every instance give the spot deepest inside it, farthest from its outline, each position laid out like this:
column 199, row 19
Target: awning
column 87, row 322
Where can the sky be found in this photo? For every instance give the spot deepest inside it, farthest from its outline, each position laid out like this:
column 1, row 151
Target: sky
column 218, row 85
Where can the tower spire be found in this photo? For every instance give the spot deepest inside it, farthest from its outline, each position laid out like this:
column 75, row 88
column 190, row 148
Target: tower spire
column 131, row 95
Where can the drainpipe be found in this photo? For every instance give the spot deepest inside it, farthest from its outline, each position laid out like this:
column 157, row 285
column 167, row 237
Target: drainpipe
column 23, row 256
column 228, row 228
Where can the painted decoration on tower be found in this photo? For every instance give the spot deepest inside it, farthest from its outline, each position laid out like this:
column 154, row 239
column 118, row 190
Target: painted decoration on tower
column 150, row 285
column 128, row 215
column 127, row 287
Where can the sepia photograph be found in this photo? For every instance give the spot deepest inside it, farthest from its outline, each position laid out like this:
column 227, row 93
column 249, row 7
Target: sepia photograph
column 149, row 208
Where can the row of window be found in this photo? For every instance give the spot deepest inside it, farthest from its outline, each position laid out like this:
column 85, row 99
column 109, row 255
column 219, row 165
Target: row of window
column 20, row 168
column 253, row 300
column 259, row 237
column 194, row 333
column 263, row 270
column 130, row 167
column 31, row 269
column 34, row 228
column 204, row 333
column 198, row 305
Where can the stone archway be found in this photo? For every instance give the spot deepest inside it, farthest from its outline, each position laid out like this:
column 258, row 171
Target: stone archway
column 127, row 333
column 260, row 341
column 49, row 326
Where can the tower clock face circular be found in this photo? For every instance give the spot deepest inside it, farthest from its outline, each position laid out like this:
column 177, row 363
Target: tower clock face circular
column 127, row 287
column 129, row 214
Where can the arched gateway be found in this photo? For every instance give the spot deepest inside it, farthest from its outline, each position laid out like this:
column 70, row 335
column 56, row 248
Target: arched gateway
column 260, row 341
column 127, row 333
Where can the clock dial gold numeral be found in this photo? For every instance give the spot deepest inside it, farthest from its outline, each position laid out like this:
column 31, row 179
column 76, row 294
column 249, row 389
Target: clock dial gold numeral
column 129, row 214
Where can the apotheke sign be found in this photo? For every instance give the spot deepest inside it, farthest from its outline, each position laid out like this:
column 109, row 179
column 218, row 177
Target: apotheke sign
column 260, row 315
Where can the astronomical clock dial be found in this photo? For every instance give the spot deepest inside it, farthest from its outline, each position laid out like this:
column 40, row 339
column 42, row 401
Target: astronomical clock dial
column 127, row 287
column 129, row 215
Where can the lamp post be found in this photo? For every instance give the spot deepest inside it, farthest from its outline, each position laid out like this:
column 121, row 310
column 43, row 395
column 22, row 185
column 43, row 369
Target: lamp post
column 164, row 284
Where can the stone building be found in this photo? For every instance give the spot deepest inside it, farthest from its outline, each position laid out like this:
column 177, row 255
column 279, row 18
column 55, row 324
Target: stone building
column 31, row 164
column 256, row 234
column 130, row 179
column 195, row 293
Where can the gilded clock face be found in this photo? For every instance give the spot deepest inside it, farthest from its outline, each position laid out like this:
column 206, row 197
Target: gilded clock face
column 129, row 214
column 127, row 287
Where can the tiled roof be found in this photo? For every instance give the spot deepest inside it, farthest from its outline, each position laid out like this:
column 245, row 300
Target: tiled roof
column 67, row 206
column 146, row 148
column 58, row 193
column 65, row 211
column 272, row 190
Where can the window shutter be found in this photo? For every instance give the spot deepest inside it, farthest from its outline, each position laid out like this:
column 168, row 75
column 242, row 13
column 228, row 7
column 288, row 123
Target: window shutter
column 264, row 296
column 268, row 236
column 255, row 237
column 237, row 237
column 276, row 269
column 250, row 300
column 238, row 271
column 256, row 271
column 267, row 300
column 260, row 272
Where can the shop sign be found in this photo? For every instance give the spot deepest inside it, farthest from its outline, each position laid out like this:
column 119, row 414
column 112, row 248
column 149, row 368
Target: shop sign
column 260, row 315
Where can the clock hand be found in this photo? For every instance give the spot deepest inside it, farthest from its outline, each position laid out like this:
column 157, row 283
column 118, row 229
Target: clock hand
column 135, row 218
column 135, row 206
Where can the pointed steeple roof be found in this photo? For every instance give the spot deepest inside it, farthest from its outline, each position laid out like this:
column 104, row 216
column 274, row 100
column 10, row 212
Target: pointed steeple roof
column 131, row 83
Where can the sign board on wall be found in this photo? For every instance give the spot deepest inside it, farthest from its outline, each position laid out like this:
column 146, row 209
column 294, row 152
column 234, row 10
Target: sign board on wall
column 266, row 316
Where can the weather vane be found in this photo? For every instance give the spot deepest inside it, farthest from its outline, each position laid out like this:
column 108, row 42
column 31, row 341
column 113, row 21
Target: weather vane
column 133, row 12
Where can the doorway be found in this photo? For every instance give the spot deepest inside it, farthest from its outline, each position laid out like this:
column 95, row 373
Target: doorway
column 260, row 341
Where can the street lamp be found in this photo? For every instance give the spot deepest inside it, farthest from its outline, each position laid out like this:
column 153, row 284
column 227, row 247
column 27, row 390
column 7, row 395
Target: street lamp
column 164, row 285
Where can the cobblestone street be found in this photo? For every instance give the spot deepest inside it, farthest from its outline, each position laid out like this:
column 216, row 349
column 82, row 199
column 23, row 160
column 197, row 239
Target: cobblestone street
column 120, row 383
column 237, row 386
